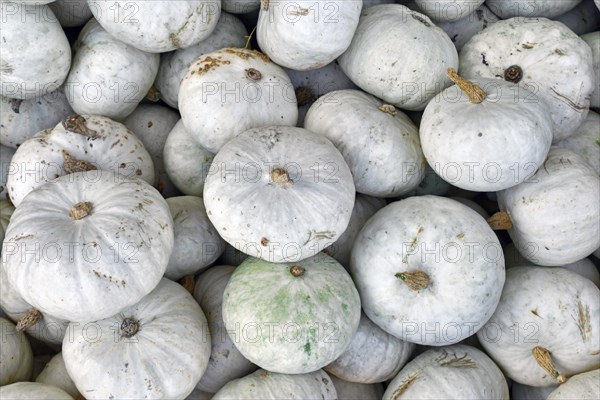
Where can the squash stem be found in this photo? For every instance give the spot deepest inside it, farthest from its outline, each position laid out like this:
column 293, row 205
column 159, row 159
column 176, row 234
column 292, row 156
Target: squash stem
column 296, row 271
column 475, row 93
column 80, row 210
column 543, row 358
column 28, row 320
column 280, row 176
column 417, row 280
column 500, row 221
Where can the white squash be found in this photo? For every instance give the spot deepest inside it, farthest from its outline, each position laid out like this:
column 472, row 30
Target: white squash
column 152, row 124
column 36, row 54
column 33, row 390
column 450, row 372
column 291, row 318
column 586, row 140
column 21, row 119
column 593, row 40
column 364, row 208
column 376, row 60
column 229, row 32
column 545, row 327
column 158, row 26
column 585, row 386
column 231, row 90
column 485, row 135
column 556, row 210
column 279, row 193
column 448, row 10
column 462, row 30
column 582, row 19
column 197, row 243
column 71, row 13
column 16, row 358
column 77, row 143
column 83, row 247
column 545, row 57
column 473, row 205
column 108, row 77
column 186, row 162
column 525, row 392
column 530, row 8
column 428, row 252
column 373, row 355
column 159, row 347
column 355, row 121
column 226, row 363
column 240, row 6
column 306, row 35
column 6, row 167
column 356, row 391
column 55, row 374
column 266, row 385
column 6, row 210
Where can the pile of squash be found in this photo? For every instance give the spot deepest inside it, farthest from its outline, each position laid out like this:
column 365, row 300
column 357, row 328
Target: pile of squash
column 309, row 199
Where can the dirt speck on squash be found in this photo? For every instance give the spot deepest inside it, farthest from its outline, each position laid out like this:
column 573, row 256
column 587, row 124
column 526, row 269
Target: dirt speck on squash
column 400, row 391
column 583, row 321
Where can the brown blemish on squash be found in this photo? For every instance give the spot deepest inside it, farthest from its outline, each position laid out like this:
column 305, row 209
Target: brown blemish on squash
column 253, row 74
column 417, row 280
column 246, row 54
column 21, row 237
column 265, row 5
column 543, row 358
column 535, row 312
column 301, row 12
column 583, row 321
column 560, row 52
column 76, row 124
column 421, row 20
column 174, row 40
column 31, row 317
column 72, row 164
column 455, row 361
column 264, row 241
column 388, row 109
column 209, row 63
column 404, row 387
column 109, row 278
column 528, row 45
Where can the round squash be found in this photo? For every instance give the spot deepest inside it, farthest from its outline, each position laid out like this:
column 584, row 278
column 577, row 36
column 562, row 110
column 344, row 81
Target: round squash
column 33, row 390
column 530, row 8
column 16, row 358
column 586, row 140
column 291, row 318
column 55, row 374
column 584, row 386
column 159, row 347
column 279, row 193
column 545, row 327
column 430, row 253
column 88, row 244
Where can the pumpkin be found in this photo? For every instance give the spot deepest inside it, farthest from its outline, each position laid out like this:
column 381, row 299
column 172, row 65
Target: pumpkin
column 373, row 355
column 33, row 390
column 108, row 77
column 291, row 318
column 96, row 230
column 159, row 26
column 6, row 210
column 449, row 372
column 364, row 208
column 556, row 210
column 77, row 143
column 240, row 6
column 583, row 386
column 528, row 8
column 186, row 162
column 306, row 36
column 152, row 124
column 71, row 13
column 55, row 374
column 36, row 54
column 229, row 32
column 197, row 243
column 581, row 19
column 226, row 363
column 447, row 10
column 543, row 56
column 376, row 59
column 462, row 30
column 544, row 329
column 158, row 346
column 21, row 119
column 485, row 135
column 593, row 40
column 525, row 392
column 266, row 385
column 231, row 90
column 428, row 252
column 355, row 121
column 6, row 154
column 356, row 391
column 279, row 193
column 586, row 140
column 16, row 358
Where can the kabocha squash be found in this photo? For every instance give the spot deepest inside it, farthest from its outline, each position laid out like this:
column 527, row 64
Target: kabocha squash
column 291, row 318
column 279, row 193
column 528, row 8
column 55, row 374
column 376, row 60
column 593, row 40
column 462, row 30
column 450, row 372
column 77, row 143
column 33, row 390
column 306, row 35
column 36, row 55
column 226, row 363
column 447, row 10
column 485, row 135
column 197, row 243
column 231, row 90
column 429, row 270
column 354, row 121
column 586, row 140
column 16, row 358
column 373, row 355
column 159, row 26
column 265, row 385
column 584, row 386
column 543, row 56
column 96, row 230
column 354, row 391
column 556, row 211
column 159, row 346
column 545, row 328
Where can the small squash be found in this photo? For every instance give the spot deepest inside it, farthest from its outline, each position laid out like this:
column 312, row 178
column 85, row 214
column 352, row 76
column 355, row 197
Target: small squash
column 584, row 386
column 33, row 390
column 16, row 358
column 55, row 374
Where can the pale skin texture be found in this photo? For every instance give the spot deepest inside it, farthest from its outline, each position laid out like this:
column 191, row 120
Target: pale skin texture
column 33, row 390
column 527, row 8
column 92, row 284
column 6, row 154
column 453, row 372
column 6, row 210
column 450, row 243
column 586, row 141
column 71, row 13
column 55, row 374
column 583, row 386
column 462, row 30
column 447, row 10
column 163, row 360
column 301, row 323
column 16, row 358
column 593, row 40
column 553, row 308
